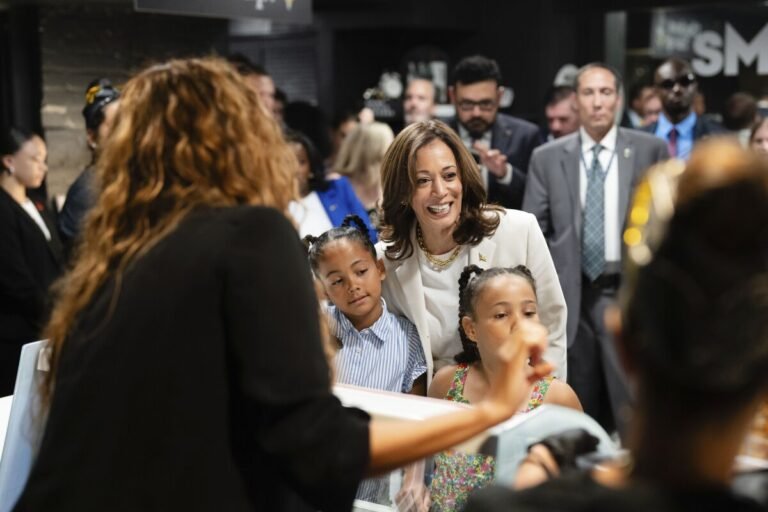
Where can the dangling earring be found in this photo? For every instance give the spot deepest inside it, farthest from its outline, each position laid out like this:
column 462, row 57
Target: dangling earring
column 11, row 170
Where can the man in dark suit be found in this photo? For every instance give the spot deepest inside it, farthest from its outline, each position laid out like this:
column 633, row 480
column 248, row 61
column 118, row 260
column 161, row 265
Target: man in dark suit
column 678, row 124
column 579, row 189
column 501, row 144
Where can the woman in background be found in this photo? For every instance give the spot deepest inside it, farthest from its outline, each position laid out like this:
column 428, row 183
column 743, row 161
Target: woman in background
column 30, row 249
column 360, row 160
column 323, row 203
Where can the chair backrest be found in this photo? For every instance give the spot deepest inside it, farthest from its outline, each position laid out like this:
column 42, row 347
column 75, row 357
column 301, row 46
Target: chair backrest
column 24, row 429
column 510, row 440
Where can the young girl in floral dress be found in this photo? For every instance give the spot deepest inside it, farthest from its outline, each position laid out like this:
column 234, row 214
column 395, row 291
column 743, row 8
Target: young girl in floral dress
column 491, row 303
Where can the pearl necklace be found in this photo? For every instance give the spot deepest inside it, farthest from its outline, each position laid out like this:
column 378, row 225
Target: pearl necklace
column 436, row 262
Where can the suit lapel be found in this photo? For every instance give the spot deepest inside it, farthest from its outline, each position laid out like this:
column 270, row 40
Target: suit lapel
column 569, row 166
column 409, row 277
column 625, row 155
column 500, row 137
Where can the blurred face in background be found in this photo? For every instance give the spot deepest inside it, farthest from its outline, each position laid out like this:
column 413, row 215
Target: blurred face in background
column 303, row 170
column 676, row 85
column 419, row 101
column 562, row 118
column 597, row 100
column 265, row 88
column 28, row 165
column 339, row 134
column 651, row 110
column 759, row 140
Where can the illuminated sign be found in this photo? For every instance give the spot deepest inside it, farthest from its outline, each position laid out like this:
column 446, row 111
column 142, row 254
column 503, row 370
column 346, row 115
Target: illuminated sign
column 714, row 43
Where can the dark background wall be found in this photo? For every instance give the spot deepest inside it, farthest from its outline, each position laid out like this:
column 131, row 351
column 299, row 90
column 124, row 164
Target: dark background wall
column 55, row 50
column 50, row 50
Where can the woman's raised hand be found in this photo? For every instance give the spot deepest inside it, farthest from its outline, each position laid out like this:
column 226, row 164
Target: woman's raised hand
column 521, row 366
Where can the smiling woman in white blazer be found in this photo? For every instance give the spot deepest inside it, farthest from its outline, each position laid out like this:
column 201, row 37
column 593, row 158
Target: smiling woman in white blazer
column 435, row 222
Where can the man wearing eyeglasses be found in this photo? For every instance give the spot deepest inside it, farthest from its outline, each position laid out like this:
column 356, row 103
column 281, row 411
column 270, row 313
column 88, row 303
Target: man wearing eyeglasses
column 501, row 144
column 678, row 124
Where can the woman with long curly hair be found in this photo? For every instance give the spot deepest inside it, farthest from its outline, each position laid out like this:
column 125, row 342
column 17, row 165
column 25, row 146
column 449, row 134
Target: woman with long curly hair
column 188, row 370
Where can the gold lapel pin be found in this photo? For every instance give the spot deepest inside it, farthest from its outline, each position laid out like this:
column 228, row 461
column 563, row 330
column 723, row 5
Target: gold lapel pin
column 483, row 258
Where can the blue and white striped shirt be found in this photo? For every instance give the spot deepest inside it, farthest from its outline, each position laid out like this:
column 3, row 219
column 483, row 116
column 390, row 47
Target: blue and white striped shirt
column 386, row 356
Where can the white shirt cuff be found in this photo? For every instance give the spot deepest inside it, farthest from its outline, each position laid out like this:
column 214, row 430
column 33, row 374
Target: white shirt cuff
column 507, row 178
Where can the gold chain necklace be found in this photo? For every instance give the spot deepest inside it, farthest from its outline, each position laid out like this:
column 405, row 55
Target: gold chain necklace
column 437, row 262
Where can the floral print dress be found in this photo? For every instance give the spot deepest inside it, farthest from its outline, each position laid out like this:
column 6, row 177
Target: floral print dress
column 458, row 474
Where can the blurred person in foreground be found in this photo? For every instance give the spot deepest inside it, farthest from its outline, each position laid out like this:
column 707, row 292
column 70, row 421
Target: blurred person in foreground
column 693, row 334
column 186, row 350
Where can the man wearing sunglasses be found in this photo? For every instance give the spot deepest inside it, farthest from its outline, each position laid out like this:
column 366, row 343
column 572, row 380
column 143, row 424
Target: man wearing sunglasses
column 501, row 144
column 678, row 124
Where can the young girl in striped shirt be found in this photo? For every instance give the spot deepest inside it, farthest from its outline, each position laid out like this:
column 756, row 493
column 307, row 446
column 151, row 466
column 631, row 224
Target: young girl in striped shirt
column 377, row 349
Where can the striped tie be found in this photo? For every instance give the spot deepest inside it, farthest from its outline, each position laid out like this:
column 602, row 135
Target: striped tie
column 593, row 234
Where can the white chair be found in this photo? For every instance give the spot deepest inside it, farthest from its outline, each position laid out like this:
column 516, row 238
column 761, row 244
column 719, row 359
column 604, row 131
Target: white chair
column 24, row 427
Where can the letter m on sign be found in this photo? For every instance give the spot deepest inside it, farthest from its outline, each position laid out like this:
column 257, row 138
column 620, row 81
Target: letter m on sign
column 736, row 49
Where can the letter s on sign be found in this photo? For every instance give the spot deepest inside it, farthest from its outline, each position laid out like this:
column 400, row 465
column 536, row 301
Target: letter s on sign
column 709, row 60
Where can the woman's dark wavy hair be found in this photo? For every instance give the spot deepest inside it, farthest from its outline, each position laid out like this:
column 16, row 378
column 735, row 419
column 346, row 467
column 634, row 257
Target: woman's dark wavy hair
column 469, row 289
column 696, row 321
column 317, row 179
column 11, row 140
column 352, row 228
column 399, row 182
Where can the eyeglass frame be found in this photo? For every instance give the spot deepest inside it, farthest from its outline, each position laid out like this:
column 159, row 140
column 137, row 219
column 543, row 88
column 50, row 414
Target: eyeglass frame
column 486, row 105
column 684, row 81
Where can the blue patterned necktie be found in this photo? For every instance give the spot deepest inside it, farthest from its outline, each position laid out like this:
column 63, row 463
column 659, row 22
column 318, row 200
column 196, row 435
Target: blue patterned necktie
column 593, row 234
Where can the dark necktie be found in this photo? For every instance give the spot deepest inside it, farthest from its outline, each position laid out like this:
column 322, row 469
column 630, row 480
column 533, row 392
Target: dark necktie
column 672, row 143
column 593, row 234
